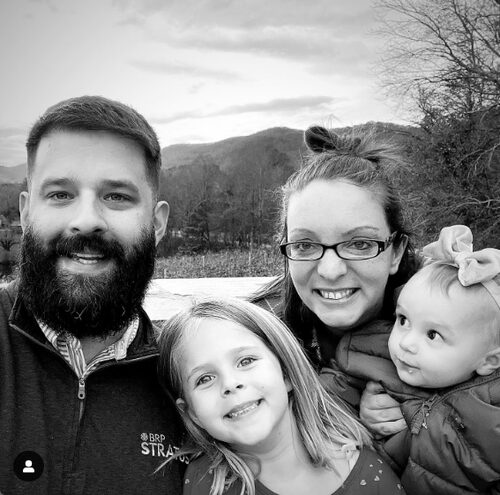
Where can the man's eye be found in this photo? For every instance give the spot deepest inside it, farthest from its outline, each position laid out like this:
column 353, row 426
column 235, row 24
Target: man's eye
column 246, row 361
column 59, row 196
column 116, row 197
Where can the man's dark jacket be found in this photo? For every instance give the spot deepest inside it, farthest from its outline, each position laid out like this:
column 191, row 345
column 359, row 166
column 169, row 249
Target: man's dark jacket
column 106, row 435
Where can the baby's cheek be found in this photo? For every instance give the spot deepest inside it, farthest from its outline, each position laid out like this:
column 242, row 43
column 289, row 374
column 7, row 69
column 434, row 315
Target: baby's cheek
column 392, row 342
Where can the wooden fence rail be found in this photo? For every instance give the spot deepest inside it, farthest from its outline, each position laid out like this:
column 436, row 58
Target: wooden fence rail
column 167, row 296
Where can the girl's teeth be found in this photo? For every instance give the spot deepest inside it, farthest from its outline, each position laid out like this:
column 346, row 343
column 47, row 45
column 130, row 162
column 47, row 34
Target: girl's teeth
column 243, row 411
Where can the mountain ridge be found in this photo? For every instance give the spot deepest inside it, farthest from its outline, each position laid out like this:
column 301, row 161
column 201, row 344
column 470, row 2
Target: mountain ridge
column 232, row 152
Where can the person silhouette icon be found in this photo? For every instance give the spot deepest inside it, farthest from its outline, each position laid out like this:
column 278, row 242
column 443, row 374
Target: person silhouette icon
column 28, row 466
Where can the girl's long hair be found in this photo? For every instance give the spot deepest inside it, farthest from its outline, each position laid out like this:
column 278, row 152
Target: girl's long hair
column 323, row 422
column 365, row 160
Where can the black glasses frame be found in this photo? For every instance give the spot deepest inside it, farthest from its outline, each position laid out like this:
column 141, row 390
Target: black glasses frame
column 382, row 246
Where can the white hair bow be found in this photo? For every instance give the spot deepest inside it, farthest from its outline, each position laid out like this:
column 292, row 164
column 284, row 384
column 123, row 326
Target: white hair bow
column 454, row 247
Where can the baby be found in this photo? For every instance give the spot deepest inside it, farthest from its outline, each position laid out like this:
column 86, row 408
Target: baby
column 441, row 360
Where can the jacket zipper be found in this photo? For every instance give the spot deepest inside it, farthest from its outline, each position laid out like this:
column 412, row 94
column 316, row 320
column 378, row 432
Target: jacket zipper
column 81, row 396
column 419, row 419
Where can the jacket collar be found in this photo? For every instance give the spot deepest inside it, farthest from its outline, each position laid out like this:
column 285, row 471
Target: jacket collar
column 144, row 344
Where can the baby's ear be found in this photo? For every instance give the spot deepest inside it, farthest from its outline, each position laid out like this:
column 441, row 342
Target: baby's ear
column 490, row 363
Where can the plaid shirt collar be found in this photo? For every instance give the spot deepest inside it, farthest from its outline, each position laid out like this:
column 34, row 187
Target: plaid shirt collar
column 70, row 348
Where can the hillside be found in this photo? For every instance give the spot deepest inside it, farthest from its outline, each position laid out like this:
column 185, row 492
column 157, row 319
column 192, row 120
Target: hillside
column 238, row 152
column 229, row 152
column 11, row 175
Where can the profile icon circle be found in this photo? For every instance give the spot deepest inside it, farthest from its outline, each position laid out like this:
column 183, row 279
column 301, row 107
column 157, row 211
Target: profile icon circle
column 28, row 466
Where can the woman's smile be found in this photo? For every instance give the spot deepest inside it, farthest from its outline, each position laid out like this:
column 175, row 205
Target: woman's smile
column 336, row 295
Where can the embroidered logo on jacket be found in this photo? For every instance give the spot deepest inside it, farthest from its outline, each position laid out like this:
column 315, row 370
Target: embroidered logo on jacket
column 153, row 444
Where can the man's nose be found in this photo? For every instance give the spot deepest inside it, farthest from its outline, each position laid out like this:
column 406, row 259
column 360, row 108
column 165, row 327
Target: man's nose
column 88, row 217
column 330, row 266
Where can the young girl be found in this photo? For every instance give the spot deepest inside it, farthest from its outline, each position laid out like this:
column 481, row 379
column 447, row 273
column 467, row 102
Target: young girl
column 445, row 369
column 259, row 420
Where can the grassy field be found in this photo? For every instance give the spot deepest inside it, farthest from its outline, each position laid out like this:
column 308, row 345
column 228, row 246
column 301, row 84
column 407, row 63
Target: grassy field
column 260, row 262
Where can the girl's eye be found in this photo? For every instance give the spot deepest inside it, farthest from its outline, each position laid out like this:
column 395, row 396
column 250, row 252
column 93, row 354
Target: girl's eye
column 402, row 320
column 246, row 361
column 432, row 334
column 204, row 379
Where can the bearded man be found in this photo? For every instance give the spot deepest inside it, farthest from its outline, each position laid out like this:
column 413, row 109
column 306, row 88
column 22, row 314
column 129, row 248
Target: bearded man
column 81, row 409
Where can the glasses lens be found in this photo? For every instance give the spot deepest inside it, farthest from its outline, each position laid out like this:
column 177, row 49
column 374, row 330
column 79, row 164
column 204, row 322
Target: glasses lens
column 304, row 251
column 358, row 249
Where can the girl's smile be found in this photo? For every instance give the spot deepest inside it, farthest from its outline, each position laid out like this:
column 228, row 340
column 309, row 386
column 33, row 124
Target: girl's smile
column 243, row 410
column 234, row 387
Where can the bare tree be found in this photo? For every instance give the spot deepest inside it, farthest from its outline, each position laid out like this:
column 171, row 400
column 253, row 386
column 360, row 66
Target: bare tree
column 447, row 51
column 443, row 59
column 8, row 239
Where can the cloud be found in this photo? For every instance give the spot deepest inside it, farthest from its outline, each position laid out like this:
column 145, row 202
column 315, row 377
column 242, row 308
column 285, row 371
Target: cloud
column 278, row 105
column 249, row 15
column 317, row 48
column 13, row 132
column 323, row 35
column 170, row 68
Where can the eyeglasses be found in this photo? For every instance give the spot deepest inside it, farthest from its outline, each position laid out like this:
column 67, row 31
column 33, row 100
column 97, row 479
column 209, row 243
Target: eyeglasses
column 354, row 250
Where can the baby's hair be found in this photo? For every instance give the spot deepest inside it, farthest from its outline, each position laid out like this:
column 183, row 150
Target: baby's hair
column 443, row 276
column 323, row 421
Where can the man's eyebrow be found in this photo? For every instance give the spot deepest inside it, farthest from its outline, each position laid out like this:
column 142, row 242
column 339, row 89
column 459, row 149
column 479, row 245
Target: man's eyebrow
column 110, row 183
column 121, row 184
column 56, row 181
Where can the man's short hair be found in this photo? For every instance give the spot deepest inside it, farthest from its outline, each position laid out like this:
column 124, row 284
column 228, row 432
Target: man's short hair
column 96, row 113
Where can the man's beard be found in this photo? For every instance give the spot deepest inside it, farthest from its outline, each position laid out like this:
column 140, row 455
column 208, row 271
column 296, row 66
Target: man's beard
column 95, row 305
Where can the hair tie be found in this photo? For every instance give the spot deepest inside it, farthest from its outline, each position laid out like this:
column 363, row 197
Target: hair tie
column 454, row 247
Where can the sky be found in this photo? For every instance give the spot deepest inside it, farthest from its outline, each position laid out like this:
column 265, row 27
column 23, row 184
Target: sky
column 198, row 70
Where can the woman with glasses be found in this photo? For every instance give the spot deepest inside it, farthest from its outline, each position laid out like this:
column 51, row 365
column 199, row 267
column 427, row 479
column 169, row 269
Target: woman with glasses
column 346, row 250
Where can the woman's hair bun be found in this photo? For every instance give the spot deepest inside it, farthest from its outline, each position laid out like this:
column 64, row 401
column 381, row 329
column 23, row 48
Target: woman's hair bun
column 319, row 139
